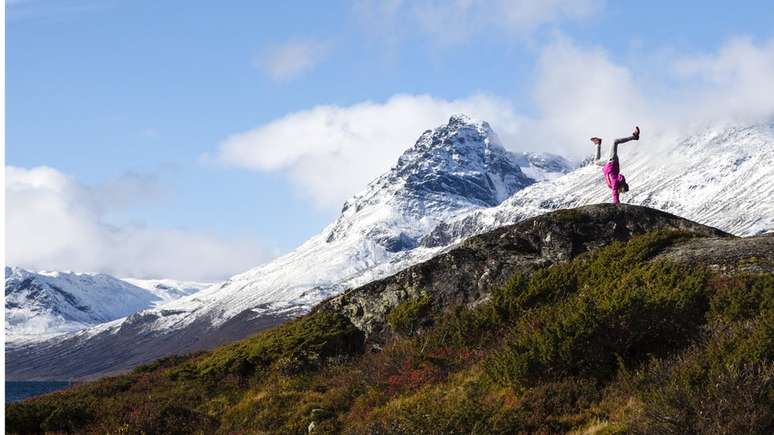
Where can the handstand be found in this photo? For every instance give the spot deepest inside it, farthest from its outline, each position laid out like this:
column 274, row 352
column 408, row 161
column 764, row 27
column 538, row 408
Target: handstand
column 615, row 180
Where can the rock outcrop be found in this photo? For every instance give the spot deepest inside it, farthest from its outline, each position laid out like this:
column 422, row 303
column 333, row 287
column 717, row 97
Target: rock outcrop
column 465, row 274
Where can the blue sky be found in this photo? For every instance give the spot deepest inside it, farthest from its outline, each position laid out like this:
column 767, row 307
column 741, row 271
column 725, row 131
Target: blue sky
column 174, row 120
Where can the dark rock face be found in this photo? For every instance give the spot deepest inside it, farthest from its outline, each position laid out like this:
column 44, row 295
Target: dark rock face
column 401, row 242
column 461, row 159
column 465, row 273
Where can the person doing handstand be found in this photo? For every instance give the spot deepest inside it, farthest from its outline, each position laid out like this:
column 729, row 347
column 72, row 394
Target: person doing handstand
column 611, row 167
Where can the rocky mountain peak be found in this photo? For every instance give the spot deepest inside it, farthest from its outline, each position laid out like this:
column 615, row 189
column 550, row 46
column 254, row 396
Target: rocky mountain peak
column 462, row 158
column 455, row 167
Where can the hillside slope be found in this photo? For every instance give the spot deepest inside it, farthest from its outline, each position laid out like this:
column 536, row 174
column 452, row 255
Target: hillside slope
column 593, row 319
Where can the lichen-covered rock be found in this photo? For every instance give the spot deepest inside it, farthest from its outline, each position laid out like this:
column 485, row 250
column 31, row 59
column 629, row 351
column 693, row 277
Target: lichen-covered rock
column 724, row 254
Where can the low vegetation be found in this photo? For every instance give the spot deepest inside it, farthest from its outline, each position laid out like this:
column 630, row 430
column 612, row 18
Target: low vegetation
column 610, row 342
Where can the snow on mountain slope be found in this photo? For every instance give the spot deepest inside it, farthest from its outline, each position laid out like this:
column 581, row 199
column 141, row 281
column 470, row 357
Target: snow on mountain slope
column 722, row 177
column 168, row 289
column 543, row 166
column 39, row 305
column 450, row 171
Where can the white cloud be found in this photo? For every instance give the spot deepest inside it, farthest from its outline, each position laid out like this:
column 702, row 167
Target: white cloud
column 736, row 83
column 292, row 58
column 452, row 22
column 53, row 222
column 582, row 91
column 331, row 151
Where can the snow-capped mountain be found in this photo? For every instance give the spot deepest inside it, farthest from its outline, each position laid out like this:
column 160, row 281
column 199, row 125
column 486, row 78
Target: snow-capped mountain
column 722, row 177
column 447, row 173
column 450, row 171
column 39, row 305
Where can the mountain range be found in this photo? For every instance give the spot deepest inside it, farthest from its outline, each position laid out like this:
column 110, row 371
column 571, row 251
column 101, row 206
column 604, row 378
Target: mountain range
column 41, row 305
column 455, row 182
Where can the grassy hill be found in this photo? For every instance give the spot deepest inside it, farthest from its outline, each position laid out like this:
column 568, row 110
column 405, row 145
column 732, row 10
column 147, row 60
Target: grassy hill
column 631, row 336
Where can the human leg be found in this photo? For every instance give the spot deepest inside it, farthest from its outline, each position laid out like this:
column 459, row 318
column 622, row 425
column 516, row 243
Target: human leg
column 614, row 150
column 598, row 156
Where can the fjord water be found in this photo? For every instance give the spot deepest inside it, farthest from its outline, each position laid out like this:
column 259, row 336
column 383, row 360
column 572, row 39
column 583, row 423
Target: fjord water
column 15, row 391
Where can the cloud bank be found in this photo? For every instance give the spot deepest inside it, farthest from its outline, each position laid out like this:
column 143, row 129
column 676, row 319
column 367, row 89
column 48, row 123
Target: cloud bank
column 331, row 152
column 56, row 223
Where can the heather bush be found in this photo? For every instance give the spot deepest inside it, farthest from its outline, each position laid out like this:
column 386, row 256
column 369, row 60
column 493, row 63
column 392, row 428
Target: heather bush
column 26, row 417
column 647, row 309
column 453, row 408
column 741, row 296
column 717, row 386
column 295, row 346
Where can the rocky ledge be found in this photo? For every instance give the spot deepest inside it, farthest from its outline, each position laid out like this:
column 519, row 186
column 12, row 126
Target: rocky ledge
column 465, row 273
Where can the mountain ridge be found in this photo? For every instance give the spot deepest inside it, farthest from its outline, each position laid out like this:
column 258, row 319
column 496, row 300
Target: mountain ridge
column 718, row 177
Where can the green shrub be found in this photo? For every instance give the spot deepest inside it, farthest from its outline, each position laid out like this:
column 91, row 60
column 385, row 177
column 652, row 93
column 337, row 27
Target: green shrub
column 461, row 327
column 166, row 362
column 299, row 344
column 553, row 407
column 507, row 300
column 453, row 408
column 741, row 296
column 647, row 309
column 407, row 317
column 714, row 387
column 756, row 344
column 467, row 405
column 26, row 417
column 112, row 386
